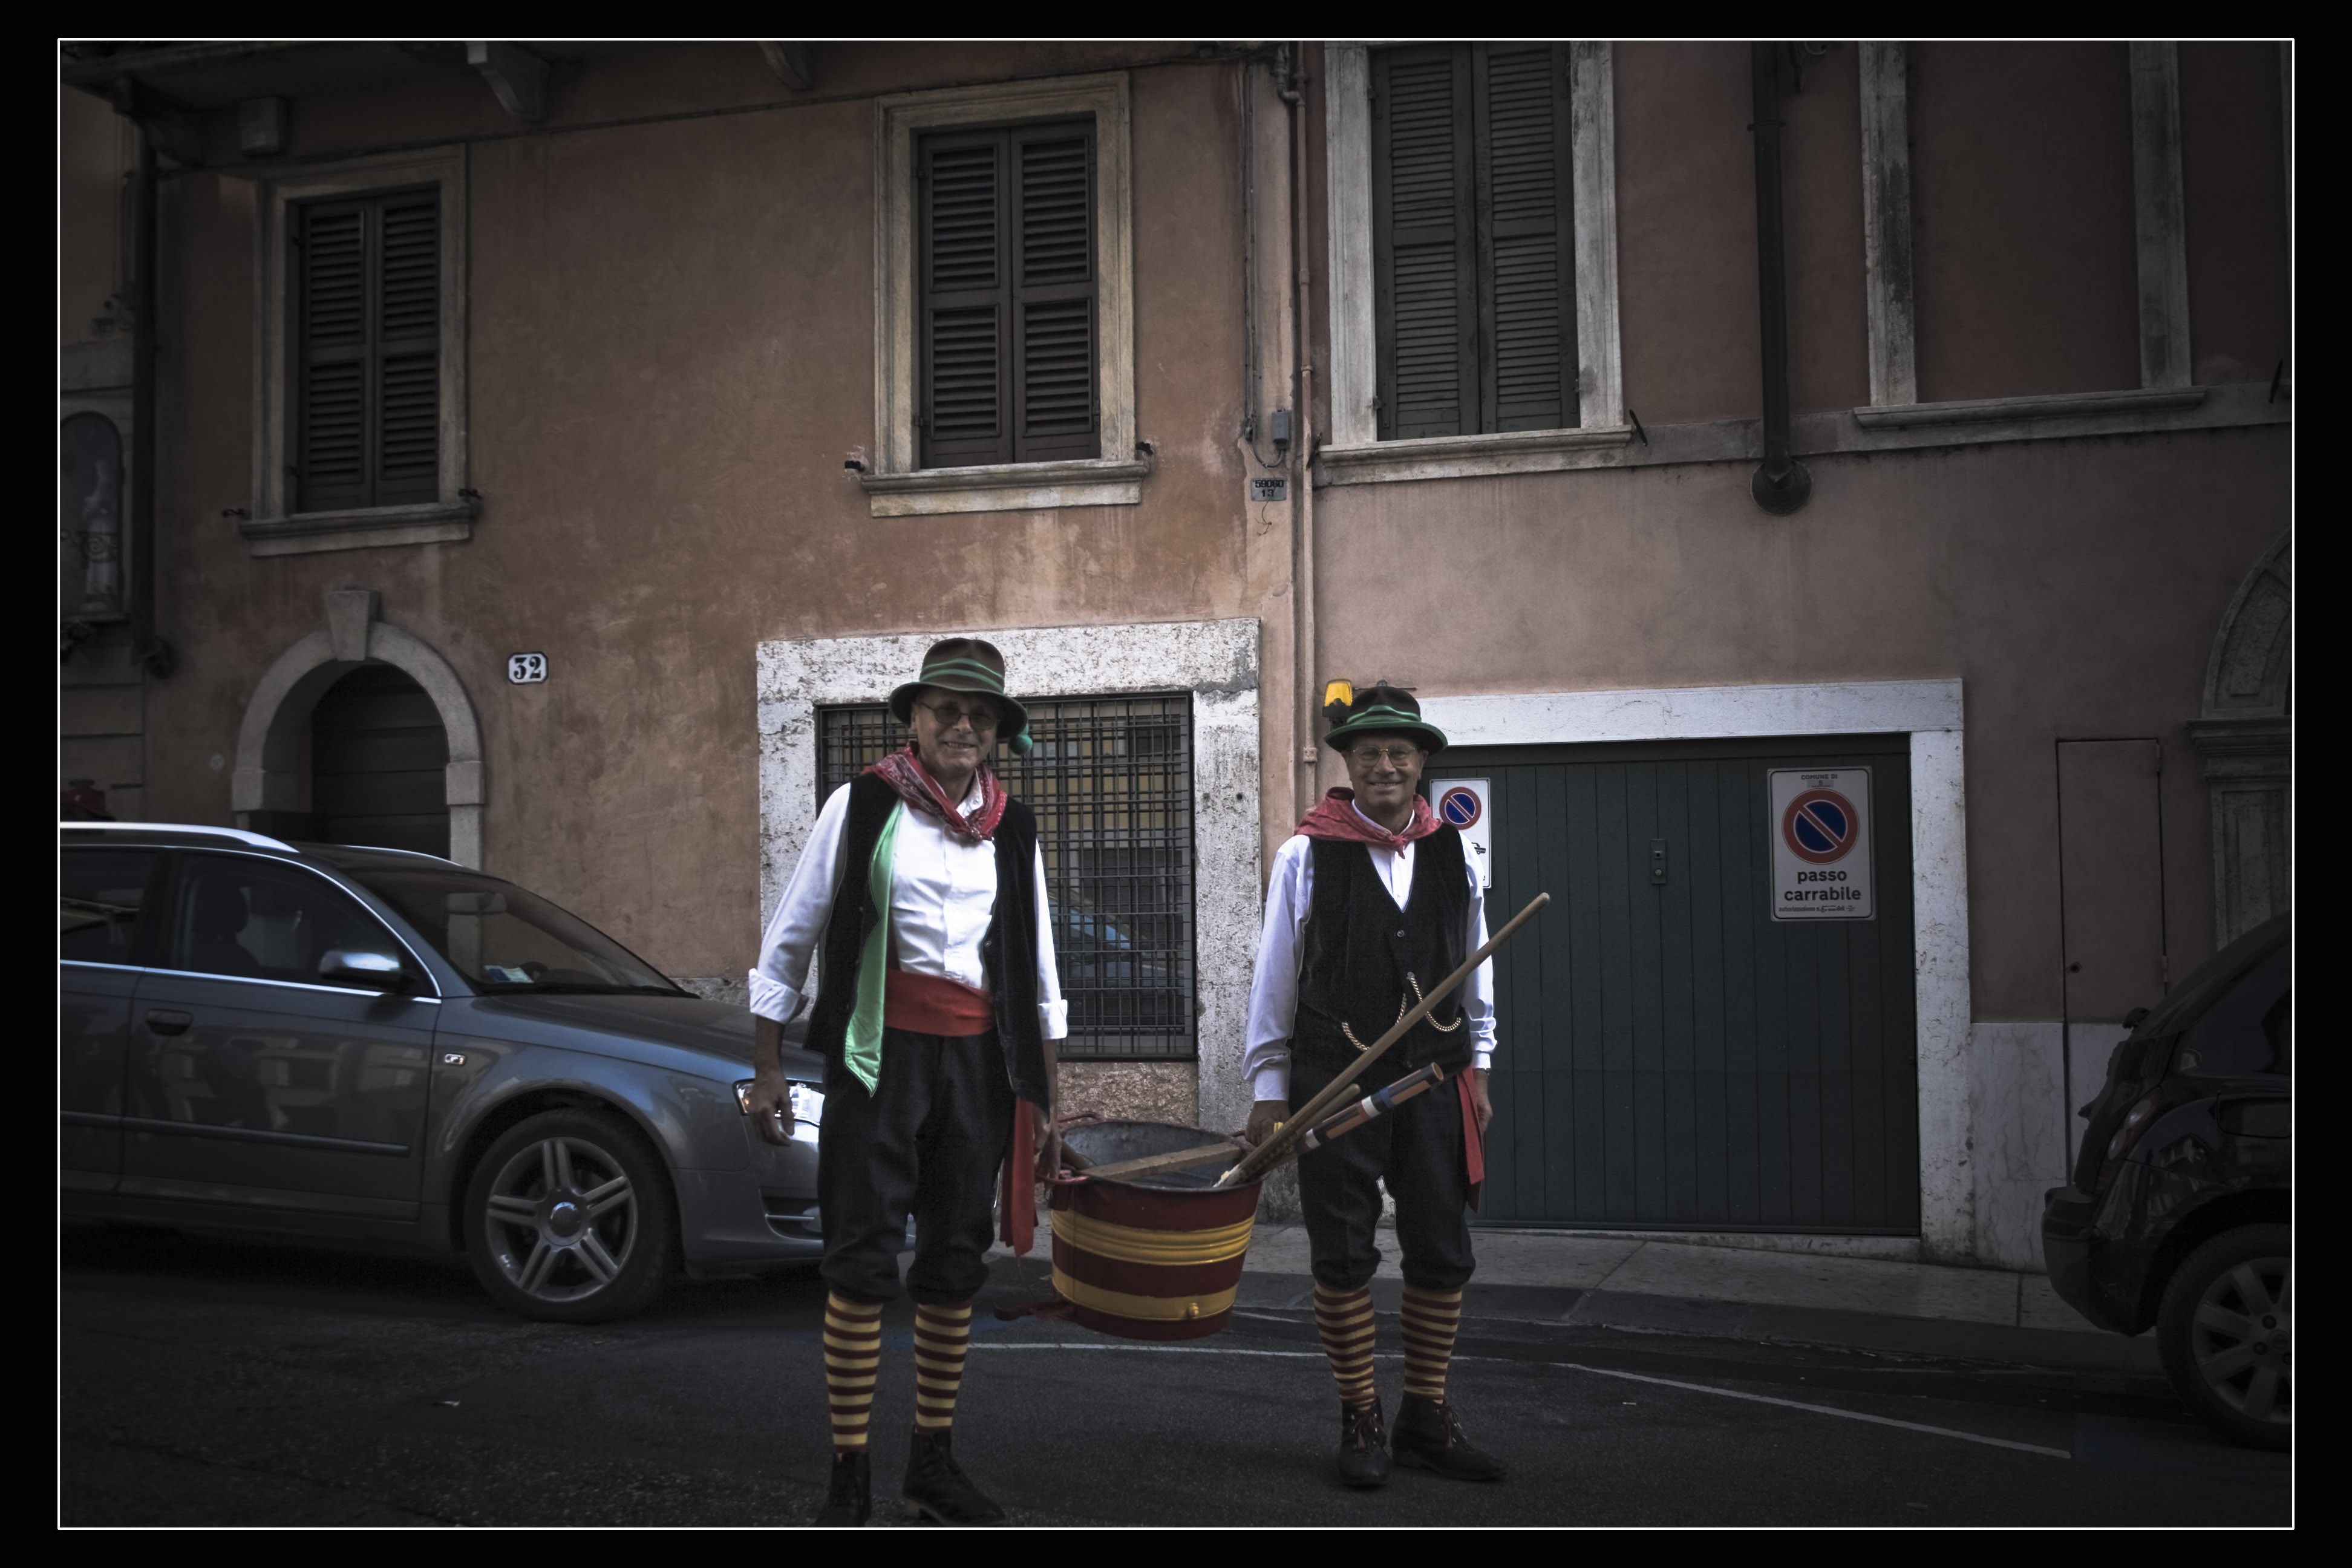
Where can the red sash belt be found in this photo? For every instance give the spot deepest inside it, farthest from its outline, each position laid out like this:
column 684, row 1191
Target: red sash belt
column 1473, row 1147
column 930, row 1005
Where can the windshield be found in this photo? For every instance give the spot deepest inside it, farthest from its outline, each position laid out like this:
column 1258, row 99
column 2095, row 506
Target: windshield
column 503, row 939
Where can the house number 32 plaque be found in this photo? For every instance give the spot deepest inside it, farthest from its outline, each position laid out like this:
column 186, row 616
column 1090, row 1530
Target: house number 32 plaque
column 526, row 668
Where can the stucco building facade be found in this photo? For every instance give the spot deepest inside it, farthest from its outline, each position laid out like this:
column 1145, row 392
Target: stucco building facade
column 685, row 380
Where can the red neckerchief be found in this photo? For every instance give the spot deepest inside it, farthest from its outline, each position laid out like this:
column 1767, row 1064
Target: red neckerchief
column 905, row 772
column 1336, row 816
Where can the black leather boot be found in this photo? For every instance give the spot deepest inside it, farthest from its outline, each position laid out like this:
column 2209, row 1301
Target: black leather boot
column 849, row 1503
column 1364, row 1446
column 936, row 1487
column 1428, row 1438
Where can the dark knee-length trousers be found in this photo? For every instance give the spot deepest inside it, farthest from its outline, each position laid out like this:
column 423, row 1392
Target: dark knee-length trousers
column 928, row 1141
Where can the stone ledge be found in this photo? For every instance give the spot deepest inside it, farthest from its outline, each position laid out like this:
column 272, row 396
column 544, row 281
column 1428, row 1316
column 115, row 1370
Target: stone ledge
column 1456, row 457
column 367, row 528
column 2058, row 406
column 1007, row 486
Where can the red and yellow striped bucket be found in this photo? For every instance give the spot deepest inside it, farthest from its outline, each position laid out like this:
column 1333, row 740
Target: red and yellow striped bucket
column 1155, row 1259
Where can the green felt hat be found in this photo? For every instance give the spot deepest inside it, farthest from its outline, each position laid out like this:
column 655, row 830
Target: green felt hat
column 1379, row 709
column 967, row 664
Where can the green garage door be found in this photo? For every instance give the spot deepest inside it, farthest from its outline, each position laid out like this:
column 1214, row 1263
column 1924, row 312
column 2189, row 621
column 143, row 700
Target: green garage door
column 1672, row 1056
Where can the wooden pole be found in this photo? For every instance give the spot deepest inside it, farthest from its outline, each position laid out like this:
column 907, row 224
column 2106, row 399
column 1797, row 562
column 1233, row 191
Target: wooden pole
column 1271, row 1153
column 1276, row 1148
column 1153, row 1164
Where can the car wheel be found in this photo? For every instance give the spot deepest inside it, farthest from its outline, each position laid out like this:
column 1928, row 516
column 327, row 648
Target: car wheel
column 2226, row 1331
column 570, row 1219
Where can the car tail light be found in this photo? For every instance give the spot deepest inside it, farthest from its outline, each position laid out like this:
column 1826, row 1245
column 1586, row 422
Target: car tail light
column 2135, row 1120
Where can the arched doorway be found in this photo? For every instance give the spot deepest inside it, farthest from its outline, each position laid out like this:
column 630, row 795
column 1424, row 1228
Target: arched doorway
column 272, row 789
column 378, row 751
column 2247, row 739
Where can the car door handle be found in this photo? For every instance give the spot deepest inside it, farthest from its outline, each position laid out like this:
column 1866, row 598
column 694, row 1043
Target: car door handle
column 165, row 1021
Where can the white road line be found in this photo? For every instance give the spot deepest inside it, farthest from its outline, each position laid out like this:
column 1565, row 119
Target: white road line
column 1801, row 1404
column 1579, row 1366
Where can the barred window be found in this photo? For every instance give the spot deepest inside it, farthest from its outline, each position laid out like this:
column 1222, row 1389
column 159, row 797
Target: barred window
column 1111, row 785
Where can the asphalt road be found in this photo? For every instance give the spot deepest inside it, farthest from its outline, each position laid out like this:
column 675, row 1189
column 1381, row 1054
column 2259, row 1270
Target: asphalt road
column 208, row 1381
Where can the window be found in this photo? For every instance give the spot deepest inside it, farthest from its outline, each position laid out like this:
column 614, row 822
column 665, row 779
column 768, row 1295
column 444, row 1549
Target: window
column 255, row 920
column 1110, row 782
column 99, row 895
column 367, row 323
column 359, row 434
column 1006, row 253
column 1473, row 242
column 1004, row 301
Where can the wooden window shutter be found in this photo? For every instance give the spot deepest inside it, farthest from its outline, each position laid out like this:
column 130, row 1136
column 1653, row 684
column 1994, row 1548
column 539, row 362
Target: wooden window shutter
column 331, row 419
column 1425, row 268
column 1053, row 290
column 408, row 348
column 1006, row 266
column 367, row 402
column 1474, row 247
column 963, row 402
column 1526, row 243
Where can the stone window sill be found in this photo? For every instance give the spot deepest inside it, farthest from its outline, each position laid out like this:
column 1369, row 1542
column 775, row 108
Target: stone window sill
column 1458, row 457
column 364, row 528
column 1007, row 486
column 2005, row 410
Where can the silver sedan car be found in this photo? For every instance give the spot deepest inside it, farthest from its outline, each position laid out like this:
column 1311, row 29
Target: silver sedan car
column 375, row 1044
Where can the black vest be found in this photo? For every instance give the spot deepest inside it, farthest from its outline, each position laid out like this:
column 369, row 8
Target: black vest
column 1361, row 955
column 1008, row 953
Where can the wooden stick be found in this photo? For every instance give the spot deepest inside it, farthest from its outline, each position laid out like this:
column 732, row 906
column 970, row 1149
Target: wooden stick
column 1373, row 1106
column 1265, row 1157
column 1152, row 1164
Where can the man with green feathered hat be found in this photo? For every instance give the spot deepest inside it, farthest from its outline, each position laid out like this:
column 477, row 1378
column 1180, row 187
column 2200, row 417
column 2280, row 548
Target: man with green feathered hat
column 1370, row 902
column 937, row 1010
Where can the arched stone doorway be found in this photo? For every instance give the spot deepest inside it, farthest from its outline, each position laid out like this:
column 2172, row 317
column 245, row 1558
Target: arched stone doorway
column 275, row 783
column 2246, row 738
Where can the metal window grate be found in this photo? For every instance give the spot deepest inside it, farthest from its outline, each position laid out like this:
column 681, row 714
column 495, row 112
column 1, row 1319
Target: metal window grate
column 1111, row 785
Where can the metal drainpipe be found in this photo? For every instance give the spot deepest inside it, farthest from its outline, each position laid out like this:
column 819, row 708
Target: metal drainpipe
column 152, row 652
column 1303, row 510
column 1781, row 484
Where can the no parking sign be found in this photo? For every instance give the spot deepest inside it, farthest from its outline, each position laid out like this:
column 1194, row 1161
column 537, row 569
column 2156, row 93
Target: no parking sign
column 1820, row 844
column 1461, row 804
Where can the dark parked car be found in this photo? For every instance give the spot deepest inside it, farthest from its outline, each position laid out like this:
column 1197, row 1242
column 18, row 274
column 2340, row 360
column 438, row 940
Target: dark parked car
column 371, row 1044
column 2178, row 1214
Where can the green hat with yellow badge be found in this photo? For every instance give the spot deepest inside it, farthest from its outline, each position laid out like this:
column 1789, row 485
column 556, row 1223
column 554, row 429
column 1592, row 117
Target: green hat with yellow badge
column 1379, row 709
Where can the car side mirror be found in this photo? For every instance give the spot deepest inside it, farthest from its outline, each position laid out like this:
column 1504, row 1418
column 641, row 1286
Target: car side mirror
column 358, row 966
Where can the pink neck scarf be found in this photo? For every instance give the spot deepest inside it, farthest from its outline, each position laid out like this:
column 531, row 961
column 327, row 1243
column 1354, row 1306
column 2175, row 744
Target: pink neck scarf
column 1336, row 815
column 904, row 772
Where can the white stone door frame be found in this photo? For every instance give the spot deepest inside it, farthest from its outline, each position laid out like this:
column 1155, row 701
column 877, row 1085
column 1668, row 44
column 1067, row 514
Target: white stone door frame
column 271, row 771
column 1216, row 661
column 1931, row 712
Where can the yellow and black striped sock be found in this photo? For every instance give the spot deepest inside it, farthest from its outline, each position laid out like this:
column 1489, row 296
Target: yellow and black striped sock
column 942, row 1334
column 1344, row 1318
column 1431, row 1317
column 852, row 1352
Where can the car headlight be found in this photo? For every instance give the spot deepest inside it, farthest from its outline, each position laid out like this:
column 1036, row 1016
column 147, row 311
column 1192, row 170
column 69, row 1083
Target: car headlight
column 807, row 1101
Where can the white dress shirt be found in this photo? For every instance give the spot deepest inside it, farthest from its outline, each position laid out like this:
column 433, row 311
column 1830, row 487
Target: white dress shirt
column 943, row 894
column 1273, row 995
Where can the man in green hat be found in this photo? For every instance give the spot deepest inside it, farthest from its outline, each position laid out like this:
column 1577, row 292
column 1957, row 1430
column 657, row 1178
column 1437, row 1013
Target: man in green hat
column 1369, row 903
column 924, row 886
